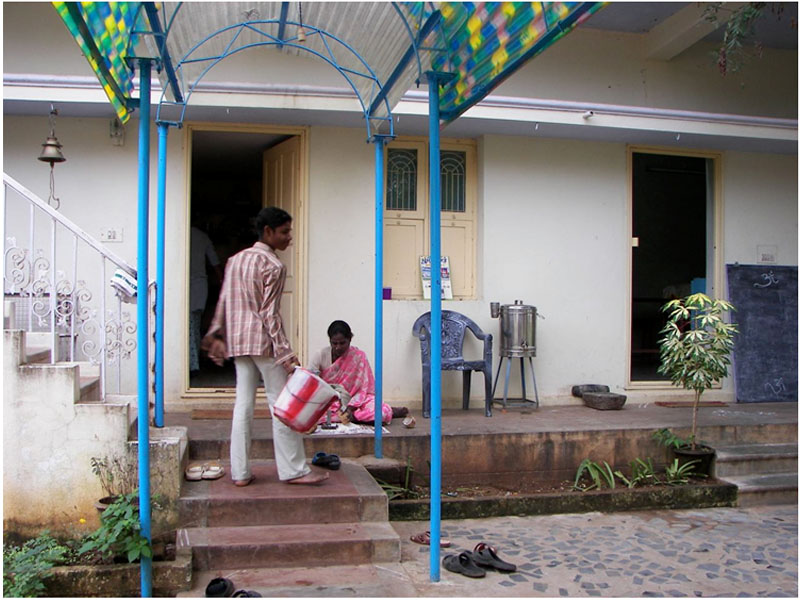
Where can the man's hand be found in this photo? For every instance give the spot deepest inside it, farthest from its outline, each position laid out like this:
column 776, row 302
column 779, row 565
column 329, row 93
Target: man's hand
column 217, row 350
column 290, row 365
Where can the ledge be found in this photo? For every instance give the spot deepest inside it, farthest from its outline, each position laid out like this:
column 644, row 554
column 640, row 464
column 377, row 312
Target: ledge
column 695, row 495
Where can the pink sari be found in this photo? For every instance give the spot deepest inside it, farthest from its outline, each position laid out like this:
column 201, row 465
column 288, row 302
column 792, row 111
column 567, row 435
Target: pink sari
column 352, row 371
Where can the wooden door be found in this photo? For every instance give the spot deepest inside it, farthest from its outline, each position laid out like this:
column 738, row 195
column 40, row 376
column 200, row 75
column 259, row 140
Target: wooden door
column 281, row 165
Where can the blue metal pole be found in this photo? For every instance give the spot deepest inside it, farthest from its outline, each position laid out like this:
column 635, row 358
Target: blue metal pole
column 146, row 566
column 436, row 322
column 378, row 297
column 163, row 129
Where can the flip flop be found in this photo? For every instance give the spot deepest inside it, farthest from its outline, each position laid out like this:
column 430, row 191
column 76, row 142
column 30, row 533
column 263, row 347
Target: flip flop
column 463, row 563
column 425, row 539
column 485, row 556
column 244, row 482
column 219, row 588
column 213, row 471
column 194, row 472
column 328, row 461
column 246, row 594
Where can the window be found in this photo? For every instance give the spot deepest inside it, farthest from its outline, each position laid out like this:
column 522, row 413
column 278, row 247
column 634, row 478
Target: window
column 407, row 215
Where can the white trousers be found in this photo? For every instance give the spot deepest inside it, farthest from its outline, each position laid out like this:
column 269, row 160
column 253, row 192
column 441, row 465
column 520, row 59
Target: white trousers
column 290, row 454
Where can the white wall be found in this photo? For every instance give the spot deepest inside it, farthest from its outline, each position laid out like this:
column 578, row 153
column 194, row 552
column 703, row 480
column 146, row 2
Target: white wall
column 610, row 68
column 760, row 206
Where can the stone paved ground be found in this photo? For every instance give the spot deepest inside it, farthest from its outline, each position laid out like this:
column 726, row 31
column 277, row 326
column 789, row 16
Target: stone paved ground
column 715, row 552
column 729, row 552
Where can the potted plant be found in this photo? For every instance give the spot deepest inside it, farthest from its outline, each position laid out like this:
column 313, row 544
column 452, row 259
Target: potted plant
column 118, row 477
column 695, row 353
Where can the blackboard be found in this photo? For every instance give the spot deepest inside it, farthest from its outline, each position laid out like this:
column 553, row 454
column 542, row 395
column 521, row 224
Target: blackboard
column 765, row 353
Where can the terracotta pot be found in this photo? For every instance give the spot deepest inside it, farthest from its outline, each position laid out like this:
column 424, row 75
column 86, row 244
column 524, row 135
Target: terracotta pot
column 105, row 502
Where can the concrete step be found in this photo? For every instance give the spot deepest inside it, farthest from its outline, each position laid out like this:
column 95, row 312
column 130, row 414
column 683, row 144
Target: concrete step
column 756, row 459
column 37, row 354
column 215, row 548
column 349, row 495
column 772, row 488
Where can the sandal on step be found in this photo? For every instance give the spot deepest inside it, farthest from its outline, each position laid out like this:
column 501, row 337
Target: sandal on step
column 194, row 472
column 219, row 588
column 463, row 563
column 213, row 471
column 424, row 538
column 328, row 461
column 486, row 556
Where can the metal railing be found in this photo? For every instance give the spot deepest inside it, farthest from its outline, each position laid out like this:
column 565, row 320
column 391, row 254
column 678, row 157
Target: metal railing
column 57, row 283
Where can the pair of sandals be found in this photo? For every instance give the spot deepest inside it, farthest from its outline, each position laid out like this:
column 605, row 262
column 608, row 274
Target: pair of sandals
column 204, row 471
column 221, row 587
column 475, row 563
column 328, row 461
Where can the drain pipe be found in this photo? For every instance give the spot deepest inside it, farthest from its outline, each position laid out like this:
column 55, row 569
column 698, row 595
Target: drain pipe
column 143, row 424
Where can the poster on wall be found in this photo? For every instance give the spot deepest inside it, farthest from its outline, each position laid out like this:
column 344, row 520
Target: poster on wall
column 425, row 269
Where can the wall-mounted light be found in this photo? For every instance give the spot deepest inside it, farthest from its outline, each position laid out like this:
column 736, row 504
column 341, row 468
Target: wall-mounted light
column 51, row 153
column 116, row 131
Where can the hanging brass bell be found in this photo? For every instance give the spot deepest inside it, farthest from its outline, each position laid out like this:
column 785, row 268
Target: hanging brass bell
column 51, row 151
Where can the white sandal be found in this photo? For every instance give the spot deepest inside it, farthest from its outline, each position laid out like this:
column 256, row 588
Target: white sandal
column 194, row 472
column 213, row 471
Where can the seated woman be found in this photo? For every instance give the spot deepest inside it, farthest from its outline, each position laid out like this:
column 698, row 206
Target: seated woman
column 347, row 366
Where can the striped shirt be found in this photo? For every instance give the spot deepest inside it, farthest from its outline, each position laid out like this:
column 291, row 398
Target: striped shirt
column 248, row 311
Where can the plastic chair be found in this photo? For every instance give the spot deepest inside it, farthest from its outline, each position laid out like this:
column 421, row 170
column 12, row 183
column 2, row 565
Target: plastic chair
column 454, row 327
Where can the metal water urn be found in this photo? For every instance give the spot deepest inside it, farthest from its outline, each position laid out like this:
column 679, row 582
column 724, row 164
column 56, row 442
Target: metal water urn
column 517, row 330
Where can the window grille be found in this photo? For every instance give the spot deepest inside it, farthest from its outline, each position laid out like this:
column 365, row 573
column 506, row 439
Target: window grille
column 401, row 173
column 454, row 180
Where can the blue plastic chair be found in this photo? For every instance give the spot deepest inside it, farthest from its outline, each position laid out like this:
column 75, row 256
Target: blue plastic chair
column 454, row 327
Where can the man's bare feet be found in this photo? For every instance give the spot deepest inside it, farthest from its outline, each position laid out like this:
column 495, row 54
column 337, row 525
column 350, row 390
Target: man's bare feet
column 309, row 479
column 243, row 482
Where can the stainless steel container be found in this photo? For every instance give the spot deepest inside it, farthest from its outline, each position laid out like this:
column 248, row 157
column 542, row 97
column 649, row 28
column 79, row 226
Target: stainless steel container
column 517, row 330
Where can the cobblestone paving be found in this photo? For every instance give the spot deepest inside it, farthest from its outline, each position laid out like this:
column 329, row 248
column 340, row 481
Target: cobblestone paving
column 721, row 552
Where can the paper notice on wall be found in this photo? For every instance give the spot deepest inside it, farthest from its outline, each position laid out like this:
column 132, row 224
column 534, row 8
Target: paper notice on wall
column 425, row 270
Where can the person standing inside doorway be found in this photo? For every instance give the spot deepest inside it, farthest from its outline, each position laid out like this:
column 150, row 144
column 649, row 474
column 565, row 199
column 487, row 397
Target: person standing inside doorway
column 247, row 327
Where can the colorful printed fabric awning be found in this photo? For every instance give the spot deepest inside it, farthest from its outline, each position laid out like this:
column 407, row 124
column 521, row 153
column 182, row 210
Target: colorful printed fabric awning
column 103, row 31
column 479, row 43
column 487, row 41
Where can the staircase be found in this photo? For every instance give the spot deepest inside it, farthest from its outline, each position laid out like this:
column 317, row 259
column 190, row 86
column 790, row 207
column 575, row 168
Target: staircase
column 764, row 473
column 270, row 524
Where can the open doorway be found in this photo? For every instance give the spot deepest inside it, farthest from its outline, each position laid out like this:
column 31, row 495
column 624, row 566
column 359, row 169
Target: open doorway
column 227, row 184
column 672, row 248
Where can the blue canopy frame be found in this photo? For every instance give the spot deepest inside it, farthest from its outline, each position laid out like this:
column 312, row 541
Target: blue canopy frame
column 476, row 46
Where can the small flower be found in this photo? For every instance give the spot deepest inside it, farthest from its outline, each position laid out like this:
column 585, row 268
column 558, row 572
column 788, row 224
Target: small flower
column 81, row 520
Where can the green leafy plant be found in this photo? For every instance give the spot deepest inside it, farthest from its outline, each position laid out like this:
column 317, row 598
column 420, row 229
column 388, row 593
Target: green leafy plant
column 696, row 345
column 119, row 533
column 599, row 474
column 667, row 438
column 118, row 476
column 739, row 28
column 678, row 474
column 25, row 568
column 642, row 473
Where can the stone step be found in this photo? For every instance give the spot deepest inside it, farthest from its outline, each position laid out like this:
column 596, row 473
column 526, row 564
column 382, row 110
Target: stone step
column 772, row 488
column 756, row 459
column 37, row 354
column 215, row 548
column 349, row 495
